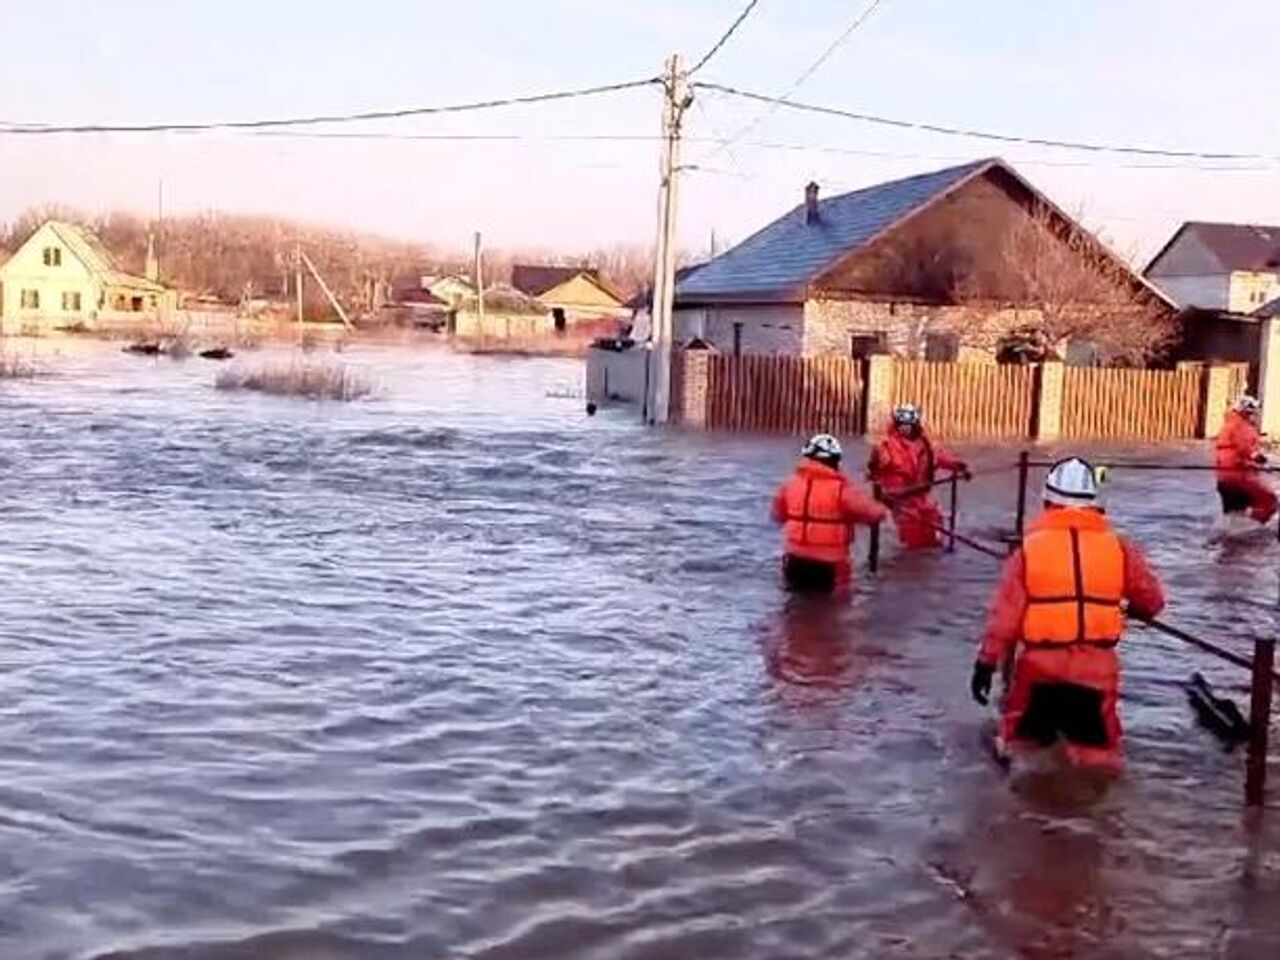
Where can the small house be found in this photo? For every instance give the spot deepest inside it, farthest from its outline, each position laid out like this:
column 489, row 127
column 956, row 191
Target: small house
column 571, row 294
column 963, row 263
column 63, row 276
column 501, row 313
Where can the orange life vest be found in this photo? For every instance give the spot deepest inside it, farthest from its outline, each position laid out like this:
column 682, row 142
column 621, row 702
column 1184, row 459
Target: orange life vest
column 816, row 526
column 1074, row 570
column 1237, row 444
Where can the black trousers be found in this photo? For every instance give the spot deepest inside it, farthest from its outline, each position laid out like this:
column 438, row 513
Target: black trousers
column 808, row 576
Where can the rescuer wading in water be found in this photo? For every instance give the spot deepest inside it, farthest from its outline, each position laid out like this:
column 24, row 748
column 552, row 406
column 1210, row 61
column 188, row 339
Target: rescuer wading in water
column 818, row 508
column 1059, row 613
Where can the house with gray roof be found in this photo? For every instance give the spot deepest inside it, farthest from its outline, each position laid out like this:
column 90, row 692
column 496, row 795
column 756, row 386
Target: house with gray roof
column 1224, row 267
column 918, row 267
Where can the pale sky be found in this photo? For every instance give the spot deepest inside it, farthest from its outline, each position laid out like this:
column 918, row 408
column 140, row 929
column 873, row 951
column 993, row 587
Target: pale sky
column 1180, row 74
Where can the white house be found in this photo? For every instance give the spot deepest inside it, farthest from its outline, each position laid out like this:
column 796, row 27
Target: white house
column 1224, row 267
column 63, row 276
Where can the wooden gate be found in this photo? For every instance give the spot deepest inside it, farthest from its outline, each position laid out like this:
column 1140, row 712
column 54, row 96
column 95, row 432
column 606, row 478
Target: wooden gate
column 1108, row 403
column 782, row 394
column 968, row 399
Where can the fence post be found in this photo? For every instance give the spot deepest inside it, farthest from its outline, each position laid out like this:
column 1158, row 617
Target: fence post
column 1260, row 690
column 879, row 391
column 1024, row 466
column 951, row 522
column 1049, row 387
column 873, row 541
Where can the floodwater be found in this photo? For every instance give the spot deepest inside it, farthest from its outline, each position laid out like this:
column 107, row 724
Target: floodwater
column 459, row 672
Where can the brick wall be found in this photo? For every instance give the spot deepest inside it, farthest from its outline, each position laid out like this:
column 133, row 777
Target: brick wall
column 829, row 324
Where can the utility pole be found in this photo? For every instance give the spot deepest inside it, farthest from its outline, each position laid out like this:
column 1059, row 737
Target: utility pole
column 478, row 267
column 297, row 285
column 676, row 100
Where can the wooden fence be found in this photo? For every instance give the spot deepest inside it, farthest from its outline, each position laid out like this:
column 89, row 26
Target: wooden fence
column 1101, row 403
column 785, row 394
column 777, row 394
column 968, row 399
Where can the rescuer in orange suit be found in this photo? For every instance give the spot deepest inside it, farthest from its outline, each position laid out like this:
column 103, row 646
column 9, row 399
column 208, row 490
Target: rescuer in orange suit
column 904, row 464
column 1238, row 456
column 1059, row 613
column 818, row 508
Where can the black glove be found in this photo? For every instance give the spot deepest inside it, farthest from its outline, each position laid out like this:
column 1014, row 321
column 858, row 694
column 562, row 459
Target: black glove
column 1260, row 459
column 980, row 683
column 964, row 472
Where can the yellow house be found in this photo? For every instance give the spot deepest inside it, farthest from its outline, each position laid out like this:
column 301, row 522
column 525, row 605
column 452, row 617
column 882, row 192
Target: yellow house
column 570, row 293
column 63, row 276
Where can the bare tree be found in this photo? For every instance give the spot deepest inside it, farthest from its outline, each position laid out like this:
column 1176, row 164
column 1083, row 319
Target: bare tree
column 1048, row 264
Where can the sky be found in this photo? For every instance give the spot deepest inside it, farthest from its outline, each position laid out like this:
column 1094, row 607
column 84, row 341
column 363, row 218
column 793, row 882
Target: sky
column 1173, row 74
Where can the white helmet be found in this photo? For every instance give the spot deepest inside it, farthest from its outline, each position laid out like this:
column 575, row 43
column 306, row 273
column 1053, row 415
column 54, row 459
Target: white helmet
column 906, row 415
column 1247, row 405
column 1071, row 483
column 824, row 448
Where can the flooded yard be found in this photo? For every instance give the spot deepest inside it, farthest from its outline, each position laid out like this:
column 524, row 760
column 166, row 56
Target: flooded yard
column 456, row 671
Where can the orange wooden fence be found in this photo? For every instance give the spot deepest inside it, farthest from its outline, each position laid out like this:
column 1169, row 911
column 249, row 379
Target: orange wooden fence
column 968, row 399
column 1102, row 403
column 784, row 394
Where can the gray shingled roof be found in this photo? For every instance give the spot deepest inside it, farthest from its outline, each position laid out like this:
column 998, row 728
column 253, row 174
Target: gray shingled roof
column 779, row 261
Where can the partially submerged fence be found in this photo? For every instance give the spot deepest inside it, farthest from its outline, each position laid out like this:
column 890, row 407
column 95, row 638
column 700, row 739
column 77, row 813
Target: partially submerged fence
column 771, row 394
column 968, row 399
column 1101, row 403
column 787, row 394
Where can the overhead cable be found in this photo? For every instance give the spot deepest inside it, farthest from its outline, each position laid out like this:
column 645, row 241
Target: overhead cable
column 719, row 44
column 44, row 129
column 979, row 134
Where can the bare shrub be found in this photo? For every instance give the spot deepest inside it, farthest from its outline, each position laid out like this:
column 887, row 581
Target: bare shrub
column 14, row 366
column 317, row 380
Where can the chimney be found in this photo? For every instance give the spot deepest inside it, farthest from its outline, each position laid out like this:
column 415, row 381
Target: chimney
column 153, row 264
column 811, row 203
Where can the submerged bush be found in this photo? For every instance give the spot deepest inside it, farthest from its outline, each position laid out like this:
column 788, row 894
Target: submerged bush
column 13, row 366
column 318, row 380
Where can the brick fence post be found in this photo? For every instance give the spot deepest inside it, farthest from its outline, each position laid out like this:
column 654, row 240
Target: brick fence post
column 1049, row 397
column 1216, row 394
column 879, row 393
column 695, row 394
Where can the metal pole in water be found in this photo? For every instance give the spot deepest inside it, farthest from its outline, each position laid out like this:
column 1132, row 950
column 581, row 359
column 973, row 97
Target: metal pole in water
column 873, row 544
column 1260, row 691
column 1023, row 467
column 951, row 522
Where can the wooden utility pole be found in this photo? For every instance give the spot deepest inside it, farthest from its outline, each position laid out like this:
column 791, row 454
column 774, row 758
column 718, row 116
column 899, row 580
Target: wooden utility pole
column 676, row 100
column 324, row 287
column 478, row 268
column 297, row 284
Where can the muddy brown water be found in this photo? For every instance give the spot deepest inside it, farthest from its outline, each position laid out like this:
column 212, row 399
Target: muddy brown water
column 459, row 672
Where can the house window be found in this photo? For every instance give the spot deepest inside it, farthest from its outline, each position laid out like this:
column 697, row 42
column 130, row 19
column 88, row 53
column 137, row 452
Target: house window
column 30, row 299
column 868, row 344
column 53, row 256
column 941, row 347
column 737, row 339
column 136, row 305
column 557, row 316
column 71, row 301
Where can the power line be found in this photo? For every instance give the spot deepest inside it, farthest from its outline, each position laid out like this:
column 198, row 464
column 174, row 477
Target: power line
column 733, row 28
column 979, row 134
column 811, row 69
column 42, row 129
column 836, row 45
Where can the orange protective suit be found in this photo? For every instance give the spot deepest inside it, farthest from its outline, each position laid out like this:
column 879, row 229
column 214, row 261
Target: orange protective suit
column 1237, row 456
column 901, row 463
column 1057, row 616
column 818, row 508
